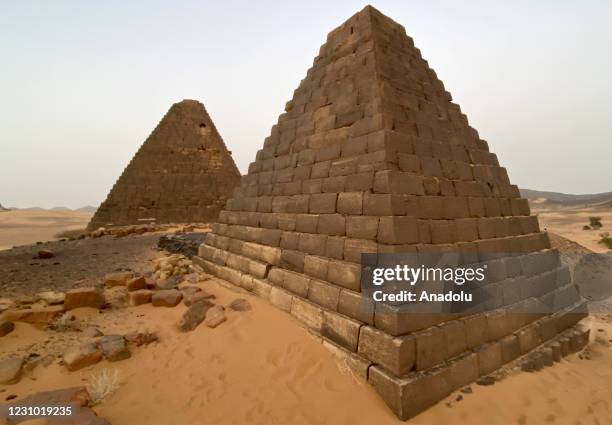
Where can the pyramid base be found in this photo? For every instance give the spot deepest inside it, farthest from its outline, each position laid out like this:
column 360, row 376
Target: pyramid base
column 409, row 394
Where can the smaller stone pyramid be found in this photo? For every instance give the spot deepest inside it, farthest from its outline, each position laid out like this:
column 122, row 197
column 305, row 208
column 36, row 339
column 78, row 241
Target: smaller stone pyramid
column 182, row 173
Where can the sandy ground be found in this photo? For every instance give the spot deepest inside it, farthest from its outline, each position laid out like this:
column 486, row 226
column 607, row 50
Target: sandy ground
column 568, row 223
column 26, row 227
column 261, row 367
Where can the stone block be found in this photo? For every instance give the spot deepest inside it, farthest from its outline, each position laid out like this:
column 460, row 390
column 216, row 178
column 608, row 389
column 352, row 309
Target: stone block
column 296, row 283
column 353, row 248
column 280, row 299
column 430, row 348
column 489, row 358
column 332, row 224
column 323, row 203
column 397, row 354
column 383, row 204
column 396, row 230
column 307, row 313
column 316, row 266
column 476, row 330
column 510, row 348
column 292, row 260
column 341, row 329
column 455, row 337
column 312, row 243
column 346, row 275
column 350, row 203
column 362, row 227
column 354, row 305
column 324, row 294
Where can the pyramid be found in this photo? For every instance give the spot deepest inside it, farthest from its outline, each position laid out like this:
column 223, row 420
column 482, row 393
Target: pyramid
column 182, row 173
column 370, row 160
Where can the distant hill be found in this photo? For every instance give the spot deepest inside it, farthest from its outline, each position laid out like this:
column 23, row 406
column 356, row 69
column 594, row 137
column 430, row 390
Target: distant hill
column 60, row 209
column 86, row 208
column 556, row 199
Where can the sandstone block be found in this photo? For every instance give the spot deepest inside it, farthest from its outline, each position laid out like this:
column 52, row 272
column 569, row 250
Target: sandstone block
column 136, row 284
column 84, row 297
column 353, row 304
column 194, row 315
column 430, row 348
column 10, row 370
column 489, row 358
column 113, row 347
column 362, row 227
column 307, row 313
column 396, row 230
column 82, row 356
column 281, row 299
column 397, row 354
column 332, row 224
column 117, row 278
column 215, row 316
column 340, row 329
column 140, row 296
column 344, row 274
column 324, row 294
column 350, row 203
column 323, row 203
column 166, row 298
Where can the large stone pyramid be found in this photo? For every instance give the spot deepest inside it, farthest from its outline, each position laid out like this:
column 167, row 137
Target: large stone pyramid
column 372, row 156
column 182, row 173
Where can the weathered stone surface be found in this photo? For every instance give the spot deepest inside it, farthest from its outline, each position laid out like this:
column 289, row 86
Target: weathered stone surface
column 6, row 327
column 10, row 370
column 117, row 278
column 39, row 315
column 136, row 283
column 84, row 297
column 52, row 297
column 166, row 298
column 341, row 329
column 82, row 356
column 114, row 347
column 139, row 338
column 91, row 332
column 44, row 254
column 185, row 151
column 140, row 296
column 240, row 304
column 215, row 316
column 397, row 354
column 195, row 314
column 194, row 297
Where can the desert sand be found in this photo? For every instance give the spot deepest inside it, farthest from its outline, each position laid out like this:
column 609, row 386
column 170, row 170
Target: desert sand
column 262, row 367
column 568, row 222
column 20, row 227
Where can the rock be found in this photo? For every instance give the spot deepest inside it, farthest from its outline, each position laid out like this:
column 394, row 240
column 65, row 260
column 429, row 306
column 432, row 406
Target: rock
column 140, row 337
column 45, row 254
column 240, row 304
column 114, row 348
column 6, row 304
column 136, row 283
column 52, row 297
column 166, row 298
column 91, row 332
column 141, row 296
column 197, row 296
column 215, row 316
column 77, row 397
column 195, row 314
column 486, row 380
column 10, row 370
column 84, row 297
column 189, row 290
column 117, row 278
column 82, row 356
column 41, row 315
column 27, row 300
column 6, row 327
column 168, row 282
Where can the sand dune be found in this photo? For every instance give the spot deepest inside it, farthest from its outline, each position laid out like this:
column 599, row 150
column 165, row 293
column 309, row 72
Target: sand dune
column 20, row 227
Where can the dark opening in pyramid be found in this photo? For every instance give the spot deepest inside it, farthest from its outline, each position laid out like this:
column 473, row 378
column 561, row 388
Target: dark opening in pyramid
column 372, row 156
column 182, row 173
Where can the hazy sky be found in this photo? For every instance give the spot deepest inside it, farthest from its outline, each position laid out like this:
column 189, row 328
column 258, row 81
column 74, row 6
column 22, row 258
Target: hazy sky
column 83, row 83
